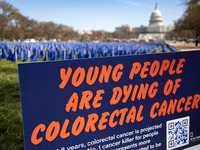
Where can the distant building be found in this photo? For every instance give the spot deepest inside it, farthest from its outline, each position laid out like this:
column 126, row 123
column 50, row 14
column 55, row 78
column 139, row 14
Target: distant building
column 124, row 28
column 156, row 30
column 85, row 32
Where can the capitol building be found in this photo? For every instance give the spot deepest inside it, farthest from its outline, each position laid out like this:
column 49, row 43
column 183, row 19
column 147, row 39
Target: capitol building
column 156, row 30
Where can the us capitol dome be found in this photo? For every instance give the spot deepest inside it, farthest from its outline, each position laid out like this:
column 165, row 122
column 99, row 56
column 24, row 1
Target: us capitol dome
column 156, row 30
column 156, row 18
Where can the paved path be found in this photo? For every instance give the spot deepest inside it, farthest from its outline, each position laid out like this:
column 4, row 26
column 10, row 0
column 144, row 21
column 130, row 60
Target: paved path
column 185, row 46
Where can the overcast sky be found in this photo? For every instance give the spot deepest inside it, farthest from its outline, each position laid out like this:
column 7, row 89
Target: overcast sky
column 99, row 14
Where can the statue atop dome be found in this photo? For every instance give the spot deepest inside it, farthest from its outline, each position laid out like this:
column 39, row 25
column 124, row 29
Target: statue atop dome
column 156, row 6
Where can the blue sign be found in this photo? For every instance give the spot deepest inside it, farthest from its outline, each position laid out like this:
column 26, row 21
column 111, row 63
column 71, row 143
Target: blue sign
column 138, row 102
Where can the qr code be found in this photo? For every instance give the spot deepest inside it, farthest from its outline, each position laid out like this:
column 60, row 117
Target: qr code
column 178, row 132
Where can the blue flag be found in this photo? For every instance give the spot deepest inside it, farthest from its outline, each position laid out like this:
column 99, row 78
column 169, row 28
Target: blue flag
column 12, row 57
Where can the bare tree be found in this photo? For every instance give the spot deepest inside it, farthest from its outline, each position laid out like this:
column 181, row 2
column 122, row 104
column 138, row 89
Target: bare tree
column 7, row 11
column 191, row 18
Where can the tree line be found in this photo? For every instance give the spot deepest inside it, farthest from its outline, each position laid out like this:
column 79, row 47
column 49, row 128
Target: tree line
column 14, row 25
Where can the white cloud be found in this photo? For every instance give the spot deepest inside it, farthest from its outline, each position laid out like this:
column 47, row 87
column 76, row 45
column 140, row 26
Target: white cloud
column 131, row 2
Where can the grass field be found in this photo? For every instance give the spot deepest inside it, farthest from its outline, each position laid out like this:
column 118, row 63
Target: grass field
column 11, row 133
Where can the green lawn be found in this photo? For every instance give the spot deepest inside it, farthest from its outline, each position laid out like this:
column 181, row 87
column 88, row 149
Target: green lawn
column 11, row 133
